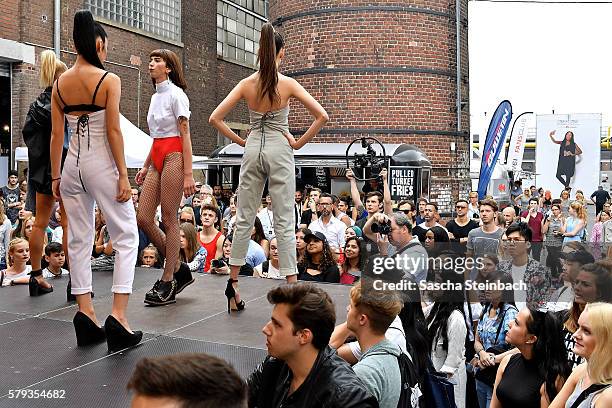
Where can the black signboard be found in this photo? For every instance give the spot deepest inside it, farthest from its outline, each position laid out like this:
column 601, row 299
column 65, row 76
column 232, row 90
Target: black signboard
column 403, row 182
column 323, row 179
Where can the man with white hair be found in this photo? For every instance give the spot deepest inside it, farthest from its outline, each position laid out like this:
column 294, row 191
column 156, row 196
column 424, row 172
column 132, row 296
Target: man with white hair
column 509, row 215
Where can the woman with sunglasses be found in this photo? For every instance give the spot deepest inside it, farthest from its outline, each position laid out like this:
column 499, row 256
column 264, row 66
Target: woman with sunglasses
column 187, row 215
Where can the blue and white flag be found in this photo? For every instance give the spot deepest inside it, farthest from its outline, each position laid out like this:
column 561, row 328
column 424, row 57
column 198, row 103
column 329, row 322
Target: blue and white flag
column 494, row 143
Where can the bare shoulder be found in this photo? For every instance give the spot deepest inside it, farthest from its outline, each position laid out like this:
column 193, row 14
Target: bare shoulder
column 504, row 362
column 250, row 80
column 605, row 399
column 287, row 81
column 113, row 77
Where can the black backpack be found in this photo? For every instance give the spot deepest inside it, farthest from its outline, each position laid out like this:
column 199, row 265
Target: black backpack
column 411, row 395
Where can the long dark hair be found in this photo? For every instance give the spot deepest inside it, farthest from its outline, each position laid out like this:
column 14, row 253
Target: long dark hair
column 270, row 44
column 415, row 329
column 84, row 34
column 259, row 234
column 363, row 254
column 445, row 304
column 327, row 258
column 173, row 64
column 549, row 350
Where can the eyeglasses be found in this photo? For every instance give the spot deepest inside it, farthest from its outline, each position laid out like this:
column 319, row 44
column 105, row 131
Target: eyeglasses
column 460, row 207
column 186, row 220
column 512, row 241
column 406, row 211
column 325, row 204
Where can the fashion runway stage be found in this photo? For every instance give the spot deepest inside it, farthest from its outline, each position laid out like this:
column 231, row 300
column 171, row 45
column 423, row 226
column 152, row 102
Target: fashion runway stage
column 38, row 346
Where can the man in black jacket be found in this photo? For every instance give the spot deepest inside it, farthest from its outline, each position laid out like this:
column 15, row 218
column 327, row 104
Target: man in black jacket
column 302, row 370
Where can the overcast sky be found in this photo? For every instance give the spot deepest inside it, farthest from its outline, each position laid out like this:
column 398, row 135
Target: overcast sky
column 540, row 57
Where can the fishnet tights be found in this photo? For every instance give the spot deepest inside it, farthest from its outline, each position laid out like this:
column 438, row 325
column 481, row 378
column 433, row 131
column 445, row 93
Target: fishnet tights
column 170, row 182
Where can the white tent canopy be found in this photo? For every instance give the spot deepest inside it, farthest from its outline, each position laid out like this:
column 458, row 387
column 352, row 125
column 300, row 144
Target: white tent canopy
column 136, row 147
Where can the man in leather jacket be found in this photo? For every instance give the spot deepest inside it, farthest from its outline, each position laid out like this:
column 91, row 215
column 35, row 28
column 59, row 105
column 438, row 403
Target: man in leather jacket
column 302, row 370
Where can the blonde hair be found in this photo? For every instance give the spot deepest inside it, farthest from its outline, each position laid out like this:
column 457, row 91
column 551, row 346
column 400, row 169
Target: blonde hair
column 50, row 68
column 11, row 248
column 580, row 211
column 188, row 210
column 381, row 307
column 600, row 362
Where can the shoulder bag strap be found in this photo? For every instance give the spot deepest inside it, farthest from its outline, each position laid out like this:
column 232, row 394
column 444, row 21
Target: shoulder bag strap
column 501, row 323
column 584, row 394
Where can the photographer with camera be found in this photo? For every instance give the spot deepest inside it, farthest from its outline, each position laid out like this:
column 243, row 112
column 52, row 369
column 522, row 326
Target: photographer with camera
column 372, row 205
column 394, row 238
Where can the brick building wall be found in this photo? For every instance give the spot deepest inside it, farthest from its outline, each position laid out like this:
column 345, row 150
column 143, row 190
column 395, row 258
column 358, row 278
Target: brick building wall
column 209, row 78
column 383, row 69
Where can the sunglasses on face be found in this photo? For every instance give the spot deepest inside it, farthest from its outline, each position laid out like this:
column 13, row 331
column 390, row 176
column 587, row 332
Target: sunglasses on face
column 186, row 220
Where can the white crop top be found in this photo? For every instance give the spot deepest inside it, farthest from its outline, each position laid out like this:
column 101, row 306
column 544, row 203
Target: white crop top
column 168, row 103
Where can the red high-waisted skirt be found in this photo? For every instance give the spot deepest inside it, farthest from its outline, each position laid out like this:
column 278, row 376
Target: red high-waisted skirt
column 163, row 146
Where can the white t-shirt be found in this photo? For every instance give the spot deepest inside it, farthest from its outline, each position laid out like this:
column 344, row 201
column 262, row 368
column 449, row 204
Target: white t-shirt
column 395, row 334
column 58, row 234
column 168, row 103
column 562, row 299
column 47, row 274
column 520, row 296
column 9, row 277
column 267, row 222
column 273, row 272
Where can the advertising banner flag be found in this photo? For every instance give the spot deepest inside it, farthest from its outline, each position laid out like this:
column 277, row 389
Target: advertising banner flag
column 518, row 137
column 494, row 143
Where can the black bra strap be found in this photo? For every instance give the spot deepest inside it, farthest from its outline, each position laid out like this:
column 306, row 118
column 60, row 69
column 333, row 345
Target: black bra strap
column 58, row 92
column 93, row 100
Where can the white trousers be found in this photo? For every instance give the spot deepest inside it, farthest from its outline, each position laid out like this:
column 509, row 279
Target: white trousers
column 90, row 179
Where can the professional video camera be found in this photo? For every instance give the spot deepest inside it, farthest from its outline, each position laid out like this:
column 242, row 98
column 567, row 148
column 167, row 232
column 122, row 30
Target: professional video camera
column 371, row 159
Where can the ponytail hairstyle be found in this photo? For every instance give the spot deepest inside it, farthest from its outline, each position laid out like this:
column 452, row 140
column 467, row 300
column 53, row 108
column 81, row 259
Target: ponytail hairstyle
column 270, row 44
column 580, row 211
column 50, row 68
column 548, row 350
column 173, row 64
column 84, row 35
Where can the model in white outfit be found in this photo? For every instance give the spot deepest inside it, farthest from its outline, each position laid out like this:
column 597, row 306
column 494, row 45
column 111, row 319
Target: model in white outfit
column 87, row 178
